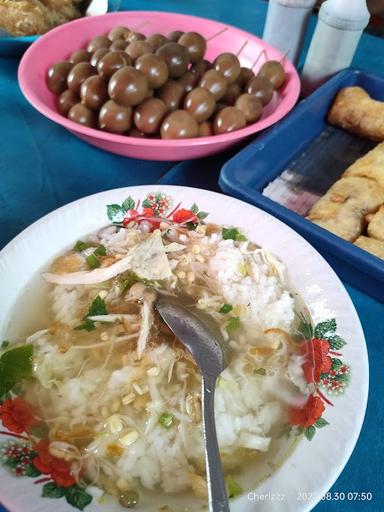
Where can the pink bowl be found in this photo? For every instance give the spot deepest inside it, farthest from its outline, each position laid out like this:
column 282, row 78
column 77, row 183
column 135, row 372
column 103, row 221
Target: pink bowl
column 59, row 43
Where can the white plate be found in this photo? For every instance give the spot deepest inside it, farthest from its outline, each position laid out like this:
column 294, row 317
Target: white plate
column 314, row 465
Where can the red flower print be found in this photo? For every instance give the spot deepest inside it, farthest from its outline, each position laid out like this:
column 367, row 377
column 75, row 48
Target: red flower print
column 148, row 212
column 184, row 215
column 317, row 359
column 59, row 469
column 16, row 415
column 130, row 216
column 307, row 415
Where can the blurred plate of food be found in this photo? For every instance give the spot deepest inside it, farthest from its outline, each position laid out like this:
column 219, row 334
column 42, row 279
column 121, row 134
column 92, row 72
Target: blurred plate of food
column 23, row 21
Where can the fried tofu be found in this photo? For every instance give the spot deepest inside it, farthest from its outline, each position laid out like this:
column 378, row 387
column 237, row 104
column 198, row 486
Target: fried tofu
column 371, row 245
column 355, row 111
column 370, row 165
column 376, row 225
column 343, row 208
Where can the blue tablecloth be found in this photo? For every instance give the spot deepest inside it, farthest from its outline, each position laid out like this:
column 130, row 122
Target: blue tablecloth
column 42, row 167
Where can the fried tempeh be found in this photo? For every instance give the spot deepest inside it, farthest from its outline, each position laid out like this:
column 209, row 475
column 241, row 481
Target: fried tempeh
column 355, row 111
column 343, row 208
column 376, row 225
column 371, row 245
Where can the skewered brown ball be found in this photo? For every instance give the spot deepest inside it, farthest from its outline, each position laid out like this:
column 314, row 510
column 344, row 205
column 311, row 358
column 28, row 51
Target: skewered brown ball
column 128, row 86
column 172, row 93
column 244, row 77
column 112, row 62
column 219, row 107
column 66, row 101
column 179, row 125
column 80, row 56
column 188, row 81
column 174, row 36
column 157, row 40
column 115, row 118
column 229, row 65
column 83, row 115
column 214, row 82
column 154, row 68
column 250, row 106
column 119, row 32
column 176, row 57
column 200, row 68
column 78, row 74
column 119, row 44
column 138, row 48
column 134, row 132
column 274, row 72
column 233, row 92
column 195, row 44
column 206, row 129
column 98, row 55
column 94, row 92
column 200, row 103
column 135, row 36
column 57, row 76
column 149, row 115
column 228, row 120
column 98, row 42
column 261, row 88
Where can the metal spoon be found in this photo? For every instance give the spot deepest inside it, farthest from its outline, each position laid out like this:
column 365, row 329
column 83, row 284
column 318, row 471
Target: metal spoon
column 209, row 356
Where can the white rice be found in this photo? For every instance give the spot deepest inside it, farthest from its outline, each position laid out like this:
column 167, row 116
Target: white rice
column 247, row 407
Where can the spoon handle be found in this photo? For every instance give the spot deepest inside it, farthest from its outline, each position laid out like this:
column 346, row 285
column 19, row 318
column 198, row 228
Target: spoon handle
column 217, row 493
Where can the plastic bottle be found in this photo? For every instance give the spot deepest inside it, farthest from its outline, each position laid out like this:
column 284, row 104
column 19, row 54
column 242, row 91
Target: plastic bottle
column 334, row 42
column 286, row 24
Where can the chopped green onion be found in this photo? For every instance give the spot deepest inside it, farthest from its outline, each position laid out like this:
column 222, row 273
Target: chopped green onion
column 233, row 234
column 4, row 344
column 260, row 371
column 129, row 280
column 129, row 499
column 80, row 246
column 167, row 420
column 233, row 324
column 191, row 226
column 100, row 251
column 225, row 308
column 233, row 488
column 92, row 261
column 97, row 308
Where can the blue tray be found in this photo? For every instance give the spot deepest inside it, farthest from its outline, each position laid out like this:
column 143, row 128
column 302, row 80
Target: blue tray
column 247, row 174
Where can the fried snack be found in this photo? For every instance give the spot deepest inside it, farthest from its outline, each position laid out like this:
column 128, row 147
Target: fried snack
column 371, row 245
column 29, row 17
column 370, row 165
column 343, row 208
column 355, row 111
column 376, row 225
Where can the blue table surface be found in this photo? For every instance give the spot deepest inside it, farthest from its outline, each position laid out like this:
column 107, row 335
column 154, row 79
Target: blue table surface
column 42, row 166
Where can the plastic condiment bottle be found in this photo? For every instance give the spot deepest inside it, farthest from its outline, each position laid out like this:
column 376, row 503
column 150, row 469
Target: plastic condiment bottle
column 286, row 24
column 334, row 42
